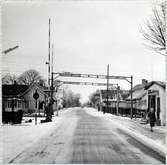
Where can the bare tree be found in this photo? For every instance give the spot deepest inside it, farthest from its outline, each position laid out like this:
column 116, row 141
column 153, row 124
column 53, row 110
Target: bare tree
column 154, row 30
column 29, row 77
column 70, row 99
column 9, row 79
column 94, row 98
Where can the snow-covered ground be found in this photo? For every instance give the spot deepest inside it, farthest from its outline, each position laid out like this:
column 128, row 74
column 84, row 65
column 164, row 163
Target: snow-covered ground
column 18, row 137
column 155, row 140
column 1, row 144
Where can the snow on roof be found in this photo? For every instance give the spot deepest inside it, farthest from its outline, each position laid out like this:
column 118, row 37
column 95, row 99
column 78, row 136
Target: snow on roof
column 138, row 87
column 138, row 94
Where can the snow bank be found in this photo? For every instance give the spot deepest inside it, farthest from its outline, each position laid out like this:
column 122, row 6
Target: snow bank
column 154, row 145
column 145, row 140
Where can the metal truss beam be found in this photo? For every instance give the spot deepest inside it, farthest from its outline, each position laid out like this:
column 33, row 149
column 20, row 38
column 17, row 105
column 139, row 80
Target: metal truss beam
column 85, row 83
column 68, row 74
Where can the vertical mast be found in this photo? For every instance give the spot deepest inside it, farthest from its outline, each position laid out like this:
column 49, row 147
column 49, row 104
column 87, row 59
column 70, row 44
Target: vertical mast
column 107, row 104
column 52, row 59
column 49, row 56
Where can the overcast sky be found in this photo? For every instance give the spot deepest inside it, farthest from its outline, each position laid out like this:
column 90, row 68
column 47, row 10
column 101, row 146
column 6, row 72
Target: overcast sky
column 87, row 35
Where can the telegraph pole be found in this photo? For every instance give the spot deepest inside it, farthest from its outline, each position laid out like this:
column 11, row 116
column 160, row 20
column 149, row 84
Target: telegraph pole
column 57, row 103
column 49, row 56
column 52, row 59
column 51, row 89
column 131, row 97
column 107, row 106
column 117, row 99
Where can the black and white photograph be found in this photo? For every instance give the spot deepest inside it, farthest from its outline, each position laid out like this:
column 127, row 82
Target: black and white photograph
column 83, row 81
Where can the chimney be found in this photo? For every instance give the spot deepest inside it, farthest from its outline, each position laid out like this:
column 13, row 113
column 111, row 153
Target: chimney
column 144, row 81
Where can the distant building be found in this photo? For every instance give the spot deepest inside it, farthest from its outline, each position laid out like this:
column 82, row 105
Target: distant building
column 116, row 101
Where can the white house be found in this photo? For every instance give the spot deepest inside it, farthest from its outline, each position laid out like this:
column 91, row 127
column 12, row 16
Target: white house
column 157, row 100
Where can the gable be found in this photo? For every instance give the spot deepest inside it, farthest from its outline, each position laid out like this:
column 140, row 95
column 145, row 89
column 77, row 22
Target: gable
column 32, row 90
column 156, row 87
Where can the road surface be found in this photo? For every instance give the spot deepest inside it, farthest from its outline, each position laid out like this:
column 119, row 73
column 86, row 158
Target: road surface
column 83, row 138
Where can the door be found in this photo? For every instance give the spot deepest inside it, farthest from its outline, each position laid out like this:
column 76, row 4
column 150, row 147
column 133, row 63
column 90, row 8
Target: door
column 152, row 102
column 158, row 108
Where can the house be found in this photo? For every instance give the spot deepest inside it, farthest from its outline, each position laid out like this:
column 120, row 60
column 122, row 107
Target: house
column 15, row 97
column 31, row 103
column 150, row 95
column 156, row 95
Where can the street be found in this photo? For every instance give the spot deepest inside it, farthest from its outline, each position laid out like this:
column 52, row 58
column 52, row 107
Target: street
column 84, row 82
column 84, row 138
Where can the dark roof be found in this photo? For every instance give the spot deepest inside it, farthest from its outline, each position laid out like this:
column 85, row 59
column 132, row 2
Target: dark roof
column 160, row 83
column 13, row 90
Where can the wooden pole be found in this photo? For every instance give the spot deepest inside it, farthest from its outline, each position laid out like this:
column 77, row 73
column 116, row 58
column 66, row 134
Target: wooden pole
column 131, row 97
column 49, row 56
column 107, row 106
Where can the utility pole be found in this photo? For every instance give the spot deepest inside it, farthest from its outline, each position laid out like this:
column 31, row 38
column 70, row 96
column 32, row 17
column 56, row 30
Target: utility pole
column 131, row 97
column 107, row 104
column 49, row 56
column 52, row 59
column 51, row 89
column 117, row 99
column 57, row 102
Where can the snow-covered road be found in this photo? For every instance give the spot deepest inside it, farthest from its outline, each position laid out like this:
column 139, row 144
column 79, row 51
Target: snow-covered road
column 80, row 137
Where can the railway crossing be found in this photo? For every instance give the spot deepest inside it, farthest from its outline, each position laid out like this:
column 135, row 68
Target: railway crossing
column 129, row 79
